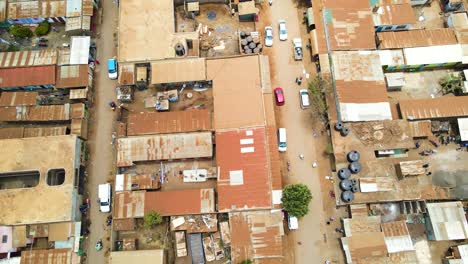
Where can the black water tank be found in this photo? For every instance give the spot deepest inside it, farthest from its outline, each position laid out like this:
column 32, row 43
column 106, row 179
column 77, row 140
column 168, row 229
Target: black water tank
column 179, row 49
column 353, row 181
column 344, row 173
column 353, row 156
column 355, row 167
column 346, row 185
column 355, row 189
column 338, row 126
column 347, row 196
column 344, row 131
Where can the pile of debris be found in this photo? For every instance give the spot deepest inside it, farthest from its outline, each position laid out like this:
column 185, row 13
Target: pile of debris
column 250, row 43
column 377, row 132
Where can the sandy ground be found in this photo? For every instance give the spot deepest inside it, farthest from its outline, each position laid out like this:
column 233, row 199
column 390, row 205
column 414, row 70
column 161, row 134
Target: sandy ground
column 100, row 168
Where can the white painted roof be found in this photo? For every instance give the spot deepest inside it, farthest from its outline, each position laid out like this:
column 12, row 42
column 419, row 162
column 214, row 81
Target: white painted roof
column 351, row 112
column 79, row 50
column 433, row 54
column 463, row 128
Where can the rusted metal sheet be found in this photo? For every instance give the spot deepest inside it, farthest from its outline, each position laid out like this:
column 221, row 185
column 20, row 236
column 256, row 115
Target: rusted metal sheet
column 129, row 204
column 52, row 8
column 87, row 8
column 440, row 107
column 58, row 256
column 416, row 38
column 243, row 180
column 28, row 58
column 164, row 147
column 42, row 113
column 79, row 127
column 412, row 168
column 27, row 76
column 18, row 98
column 23, row 9
column 123, row 224
column 168, row 122
column 193, row 201
column 11, row 132
column 72, row 76
column 44, row 131
column 132, row 182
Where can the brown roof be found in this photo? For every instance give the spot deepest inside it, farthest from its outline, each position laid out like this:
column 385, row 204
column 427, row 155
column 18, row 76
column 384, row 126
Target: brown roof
column 3, row 12
column 129, row 204
column 52, row 8
column 416, row 38
column 18, row 77
column 72, row 76
column 401, row 14
column 236, row 81
column 256, row 235
column 145, row 123
column 44, row 131
column 154, row 256
column 11, row 132
column 243, row 175
column 441, row 107
column 181, row 202
column 421, row 128
column 164, row 147
column 127, row 224
column 18, row 98
column 363, row 245
column 126, row 73
column 344, row 4
column 87, row 8
column 42, row 112
column 178, row 70
column 395, row 229
column 132, row 182
column 56, row 256
column 350, row 28
column 28, row 58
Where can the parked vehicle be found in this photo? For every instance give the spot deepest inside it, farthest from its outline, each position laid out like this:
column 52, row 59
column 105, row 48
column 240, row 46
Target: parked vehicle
column 104, row 194
column 279, row 96
column 293, row 223
column 282, row 145
column 112, row 69
column 268, row 36
column 297, row 45
column 283, row 32
column 304, row 98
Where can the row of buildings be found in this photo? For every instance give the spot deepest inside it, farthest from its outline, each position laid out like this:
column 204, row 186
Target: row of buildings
column 403, row 189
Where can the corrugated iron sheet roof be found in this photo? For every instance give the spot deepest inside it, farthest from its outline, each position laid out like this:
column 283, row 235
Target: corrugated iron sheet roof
column 42, row 113
column 52, row 8
column 236, row 80
column 256, row 235
column 44, row 131
column 441, row 107
column 168, row 122
column 73, row 8
column 243, row 173
column 87, row 7
column 401, row 14
column 18, row 98
column 79, row 93
column 126, row 224
column 170, row 71
column 27, row 9
column 192, row 201
column 126, row 73
column 79, row 48
column 421, row 128
column 3, row 10
column 11, row 132
column 154, row 256
column 56, row 256
column 129, row 182
column 71, row 76
column 164, row 147
column 129, row 204
column 350, row 28
column 30, row 76
column 416, row 38
column 28, row 58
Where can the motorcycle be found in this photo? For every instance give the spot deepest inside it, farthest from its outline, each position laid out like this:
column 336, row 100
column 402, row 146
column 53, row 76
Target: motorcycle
column 289, row 166
column 109, row 220
column 270, row 2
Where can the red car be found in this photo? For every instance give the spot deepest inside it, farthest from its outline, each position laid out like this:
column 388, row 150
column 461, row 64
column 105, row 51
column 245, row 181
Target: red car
column 279, row 96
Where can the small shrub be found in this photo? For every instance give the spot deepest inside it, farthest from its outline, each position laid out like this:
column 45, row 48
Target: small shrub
column 151, row 219
column 42, row 29
column 247, row 261
column 21, row 31
column 12, row 47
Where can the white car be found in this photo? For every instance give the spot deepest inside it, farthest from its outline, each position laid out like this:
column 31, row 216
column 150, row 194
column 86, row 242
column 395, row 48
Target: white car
column 283, row 32
column 268, row 36
column 104, row 194
column 304, row 98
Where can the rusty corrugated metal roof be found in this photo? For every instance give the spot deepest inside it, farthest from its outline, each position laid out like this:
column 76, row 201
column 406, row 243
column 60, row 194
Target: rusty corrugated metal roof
column 3, row 10
column 18, row 98
column 170, row 71
column 55, row 256
column 164, row 147
column 42, row 113
column 256, row 235
column 401, row 14
column 440, row 107
column 26, row 9
column 416, row 38
column 87, row 7
column 11, row 132
column 127, row 73
column 44, row 131
column 52, row 8
column 30, row 76
column 129, row 204
column 243, row 173
column 181, row 202
column 145, row 123
column 72, row 76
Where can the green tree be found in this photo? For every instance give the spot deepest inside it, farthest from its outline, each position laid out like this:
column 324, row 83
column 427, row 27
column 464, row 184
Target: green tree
column 318, row 87
column 296, row 199
column 247, row 261
column 151, row 219
column 42, row 29
column 329, row 149
column 451, row 84
column 12, row 47
column 20, row 31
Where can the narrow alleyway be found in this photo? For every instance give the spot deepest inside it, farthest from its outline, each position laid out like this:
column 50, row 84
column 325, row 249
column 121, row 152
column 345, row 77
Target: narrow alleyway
column 100, row 167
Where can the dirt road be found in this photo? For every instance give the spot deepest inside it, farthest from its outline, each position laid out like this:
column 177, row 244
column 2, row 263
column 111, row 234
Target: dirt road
column 100, row 168
column 299, row 126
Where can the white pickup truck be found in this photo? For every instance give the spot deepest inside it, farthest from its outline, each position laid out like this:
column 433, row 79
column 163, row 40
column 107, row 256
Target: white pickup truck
column 297, row 45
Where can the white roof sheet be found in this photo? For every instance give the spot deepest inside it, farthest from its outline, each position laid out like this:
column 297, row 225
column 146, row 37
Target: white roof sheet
column 119, row 182
column 399, row 244
column 463, row 128
column 391, row 57
column 463, row 249
column 79, row 50
column 433, row 54
column 351, row 112
column 276, row 196
column 448, row 221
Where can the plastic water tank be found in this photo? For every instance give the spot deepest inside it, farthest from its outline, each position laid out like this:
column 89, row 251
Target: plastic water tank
column 347, row 196
column 338, row 126
column 344, row 131
column 344, row 173
column 179, row 49
column 355, row 167
column 353, row 156
column 346, row 185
